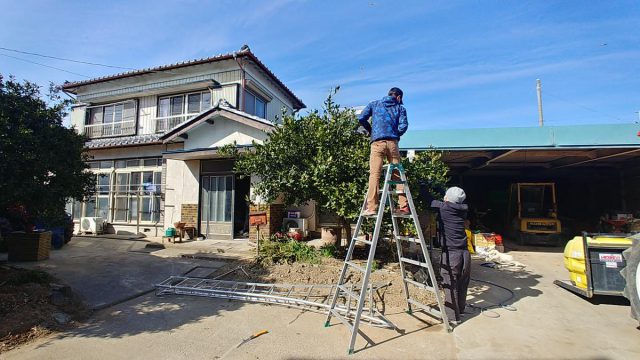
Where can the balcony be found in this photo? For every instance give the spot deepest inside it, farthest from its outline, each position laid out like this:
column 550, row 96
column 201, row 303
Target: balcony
column 122, row 128
column 165, row 123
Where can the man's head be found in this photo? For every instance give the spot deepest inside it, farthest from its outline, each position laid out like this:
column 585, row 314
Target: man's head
column 455, row 195
column 396, row 93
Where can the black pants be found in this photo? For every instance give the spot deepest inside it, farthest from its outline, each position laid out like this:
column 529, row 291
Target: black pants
column 456, row 273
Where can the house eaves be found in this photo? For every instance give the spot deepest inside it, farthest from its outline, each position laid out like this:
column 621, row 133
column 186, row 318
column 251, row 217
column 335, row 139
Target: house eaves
column 71, row 87
column 219, row 110
column 123, row 141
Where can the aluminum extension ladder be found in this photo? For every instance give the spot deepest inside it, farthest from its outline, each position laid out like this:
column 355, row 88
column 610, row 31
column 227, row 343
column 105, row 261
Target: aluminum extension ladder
column 423, row 261
column 312, row 297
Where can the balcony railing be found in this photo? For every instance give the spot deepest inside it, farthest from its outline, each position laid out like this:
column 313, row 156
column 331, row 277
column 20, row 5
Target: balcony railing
column 164, row 123
column 122, row 128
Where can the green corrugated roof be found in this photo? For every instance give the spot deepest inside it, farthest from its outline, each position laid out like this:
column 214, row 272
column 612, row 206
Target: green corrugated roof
column 572, row 136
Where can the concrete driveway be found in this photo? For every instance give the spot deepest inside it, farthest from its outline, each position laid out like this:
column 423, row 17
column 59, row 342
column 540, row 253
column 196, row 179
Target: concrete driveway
column 105, row 271
column 542, row 322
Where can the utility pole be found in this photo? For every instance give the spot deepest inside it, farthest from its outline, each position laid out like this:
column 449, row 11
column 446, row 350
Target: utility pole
column 539, row 90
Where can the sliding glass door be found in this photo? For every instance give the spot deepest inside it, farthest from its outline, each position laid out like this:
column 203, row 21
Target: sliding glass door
column 216, row 207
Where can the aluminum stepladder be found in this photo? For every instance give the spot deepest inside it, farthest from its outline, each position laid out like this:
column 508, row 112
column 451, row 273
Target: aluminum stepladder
column 423, row 262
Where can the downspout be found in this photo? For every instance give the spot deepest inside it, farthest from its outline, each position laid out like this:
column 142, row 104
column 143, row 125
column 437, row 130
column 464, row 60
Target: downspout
column 243, row 77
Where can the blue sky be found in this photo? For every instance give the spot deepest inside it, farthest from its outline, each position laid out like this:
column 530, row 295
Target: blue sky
column 461, row 63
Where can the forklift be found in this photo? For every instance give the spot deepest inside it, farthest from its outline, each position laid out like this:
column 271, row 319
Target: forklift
column 533, row 214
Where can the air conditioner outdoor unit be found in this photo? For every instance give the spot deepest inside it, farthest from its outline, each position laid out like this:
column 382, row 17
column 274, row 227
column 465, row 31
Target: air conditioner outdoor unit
column 94, row 225
column 301, row 224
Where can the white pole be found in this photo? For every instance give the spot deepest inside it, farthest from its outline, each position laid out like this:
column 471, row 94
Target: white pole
column 539, row 90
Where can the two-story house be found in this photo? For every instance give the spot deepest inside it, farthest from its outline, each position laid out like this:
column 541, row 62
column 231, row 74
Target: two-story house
column 154, row 136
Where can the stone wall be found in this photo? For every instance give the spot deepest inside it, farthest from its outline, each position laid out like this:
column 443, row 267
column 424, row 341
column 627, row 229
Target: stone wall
column 275, row 214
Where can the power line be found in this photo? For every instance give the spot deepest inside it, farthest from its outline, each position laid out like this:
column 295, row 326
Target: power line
column 64, row 59
column 584, row 107
column 49, row 66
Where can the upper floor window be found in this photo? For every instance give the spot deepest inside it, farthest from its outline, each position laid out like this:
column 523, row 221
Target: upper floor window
column 111, row 120
column 255, row 105
column 174, row 109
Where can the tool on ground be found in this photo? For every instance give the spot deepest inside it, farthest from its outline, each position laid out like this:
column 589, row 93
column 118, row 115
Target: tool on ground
column 357, row 295
column 305, row 297
column 259, row 333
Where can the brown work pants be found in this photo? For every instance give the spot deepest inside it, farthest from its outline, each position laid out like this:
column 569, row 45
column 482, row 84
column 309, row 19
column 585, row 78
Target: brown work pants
column 380, row 150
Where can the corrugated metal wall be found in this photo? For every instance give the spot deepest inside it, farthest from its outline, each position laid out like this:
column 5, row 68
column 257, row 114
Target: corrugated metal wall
column 227, row 92
column 147, row 114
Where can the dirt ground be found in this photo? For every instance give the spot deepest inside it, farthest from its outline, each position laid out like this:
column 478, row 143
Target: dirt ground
column 30, row 302
column 327, row 273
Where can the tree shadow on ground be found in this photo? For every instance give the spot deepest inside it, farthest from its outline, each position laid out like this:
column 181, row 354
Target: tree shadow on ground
column 497, row 289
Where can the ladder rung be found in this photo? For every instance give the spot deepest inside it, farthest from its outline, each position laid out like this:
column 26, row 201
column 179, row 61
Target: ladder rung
column 426, row 308
column 409, row 239
column 363, row 240
column 393, row 191
column 353, row 265
column 420, row 285
column 414, row 262
column 406, row 216
column 370, row 216
column 396, row 182
column 348, row 292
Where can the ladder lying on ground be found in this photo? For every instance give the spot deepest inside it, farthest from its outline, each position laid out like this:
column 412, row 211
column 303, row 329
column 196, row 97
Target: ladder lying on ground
column 306, row 297
column 422, row 261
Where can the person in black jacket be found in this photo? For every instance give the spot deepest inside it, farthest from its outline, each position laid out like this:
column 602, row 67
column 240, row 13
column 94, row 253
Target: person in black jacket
column 455, row 263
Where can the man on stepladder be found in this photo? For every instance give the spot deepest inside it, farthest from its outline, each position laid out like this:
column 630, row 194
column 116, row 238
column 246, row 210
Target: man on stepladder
column 388, row 124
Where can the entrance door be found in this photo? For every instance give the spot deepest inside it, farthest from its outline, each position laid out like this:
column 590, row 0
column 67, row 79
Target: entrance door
column 216, row 207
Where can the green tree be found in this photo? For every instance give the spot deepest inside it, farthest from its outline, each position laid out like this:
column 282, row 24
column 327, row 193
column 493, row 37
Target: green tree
column 320, row 156
column 42, row 163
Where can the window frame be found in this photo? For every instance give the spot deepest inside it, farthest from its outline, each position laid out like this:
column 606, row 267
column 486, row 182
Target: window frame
column 115, row 125
column 256, row 98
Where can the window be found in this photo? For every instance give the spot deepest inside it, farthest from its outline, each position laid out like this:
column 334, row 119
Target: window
column 111, row 120
column 173, row 110
column 255, row 105
column 133, row 190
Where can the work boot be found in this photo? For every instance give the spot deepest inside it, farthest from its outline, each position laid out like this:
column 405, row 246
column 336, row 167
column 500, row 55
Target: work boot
column 369, row 212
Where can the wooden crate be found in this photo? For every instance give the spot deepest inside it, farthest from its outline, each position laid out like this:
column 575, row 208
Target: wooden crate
column 34, row 246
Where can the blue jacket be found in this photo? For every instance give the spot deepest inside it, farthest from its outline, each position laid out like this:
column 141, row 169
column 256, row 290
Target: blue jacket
column 389, row 119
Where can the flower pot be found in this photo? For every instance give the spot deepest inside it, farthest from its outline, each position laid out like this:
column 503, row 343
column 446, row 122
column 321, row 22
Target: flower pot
column 32, row 246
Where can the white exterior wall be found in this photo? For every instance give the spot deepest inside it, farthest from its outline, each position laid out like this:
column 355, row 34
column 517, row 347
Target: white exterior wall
column 77, row 118
column 223, row 132
column 182, row 187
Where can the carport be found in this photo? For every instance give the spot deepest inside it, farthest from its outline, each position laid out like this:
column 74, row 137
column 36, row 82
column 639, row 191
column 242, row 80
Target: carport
column 596, row 168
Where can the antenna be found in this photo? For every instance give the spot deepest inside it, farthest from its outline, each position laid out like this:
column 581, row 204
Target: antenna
column 539, row 90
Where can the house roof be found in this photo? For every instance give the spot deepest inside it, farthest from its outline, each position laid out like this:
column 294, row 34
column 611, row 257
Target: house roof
column 220, row 109
column 547, row 137
column 148, row 139
column 245, row 52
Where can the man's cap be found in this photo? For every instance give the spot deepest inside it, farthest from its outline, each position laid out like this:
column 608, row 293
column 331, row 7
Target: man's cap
column 396, row 91
column 455, row 195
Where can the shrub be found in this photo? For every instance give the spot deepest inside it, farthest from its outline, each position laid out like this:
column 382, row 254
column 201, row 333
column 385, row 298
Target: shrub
column 279, row 251
column 329, row 250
